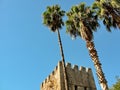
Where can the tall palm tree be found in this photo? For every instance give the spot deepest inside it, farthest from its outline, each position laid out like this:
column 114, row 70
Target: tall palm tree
column 53, row 19
column 109, row 12
column 82, row 22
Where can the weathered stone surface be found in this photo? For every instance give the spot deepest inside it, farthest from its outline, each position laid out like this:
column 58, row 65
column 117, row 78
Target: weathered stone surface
column 78, row 79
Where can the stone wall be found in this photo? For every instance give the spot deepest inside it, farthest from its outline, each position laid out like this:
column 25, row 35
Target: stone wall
column 78, row 78
column 52, row 82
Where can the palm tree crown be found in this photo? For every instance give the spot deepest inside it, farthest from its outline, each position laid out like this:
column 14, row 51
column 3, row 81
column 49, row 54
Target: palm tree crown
column 109, row 12
column 81, row 22
column 53, row 17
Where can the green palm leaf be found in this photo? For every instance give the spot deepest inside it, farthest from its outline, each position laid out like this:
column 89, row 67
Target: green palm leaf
column 109, row 12
column 52, row 17
column 82, row 21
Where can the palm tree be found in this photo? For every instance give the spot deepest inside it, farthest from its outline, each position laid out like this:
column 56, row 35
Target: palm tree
column 82, row 22
column 109, row 12
column 53, row 19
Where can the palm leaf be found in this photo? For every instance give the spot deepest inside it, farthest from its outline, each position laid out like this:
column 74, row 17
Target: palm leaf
column 52, row 17
column 109, row 12
column 82, row 21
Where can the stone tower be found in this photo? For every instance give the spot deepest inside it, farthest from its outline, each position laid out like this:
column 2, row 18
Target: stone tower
column 78, row 79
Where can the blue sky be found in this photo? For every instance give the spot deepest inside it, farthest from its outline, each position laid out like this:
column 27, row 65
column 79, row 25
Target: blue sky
column 29, row 51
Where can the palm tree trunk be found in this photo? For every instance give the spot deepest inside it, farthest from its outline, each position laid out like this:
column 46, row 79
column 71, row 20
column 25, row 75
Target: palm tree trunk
column 63, row 61
column 97, row 64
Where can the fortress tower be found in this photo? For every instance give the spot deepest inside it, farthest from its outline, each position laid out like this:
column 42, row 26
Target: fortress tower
column 78, row 78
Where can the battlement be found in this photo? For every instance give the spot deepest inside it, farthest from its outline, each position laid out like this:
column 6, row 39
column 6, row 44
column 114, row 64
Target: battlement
column 77, row 68
column 80, row 77
column 49, row 77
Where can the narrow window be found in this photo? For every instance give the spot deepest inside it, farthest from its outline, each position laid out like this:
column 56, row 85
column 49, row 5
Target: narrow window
column 75, row 87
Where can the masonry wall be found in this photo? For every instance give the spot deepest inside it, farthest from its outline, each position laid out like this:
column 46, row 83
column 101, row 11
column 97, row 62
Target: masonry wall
column 78, row 78
column 52, row 82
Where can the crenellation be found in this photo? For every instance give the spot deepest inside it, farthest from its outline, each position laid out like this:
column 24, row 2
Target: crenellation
column 46, row 80
column 79, row 77
column 68, row 65
column 59, row 63
column 88, row 70
column 56, row 68
column 48, row 77
column 75, row 67
column 42, row 85
column 53, row 72
column 82, row 68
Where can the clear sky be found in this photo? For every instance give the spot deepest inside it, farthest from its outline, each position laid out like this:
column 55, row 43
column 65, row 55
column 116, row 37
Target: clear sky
column 29, row 51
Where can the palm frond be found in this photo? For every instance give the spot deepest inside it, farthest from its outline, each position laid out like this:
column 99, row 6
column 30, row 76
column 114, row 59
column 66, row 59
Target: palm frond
column 82, row 21
column 109, row 12
column 52, row 17
column 81, row 7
